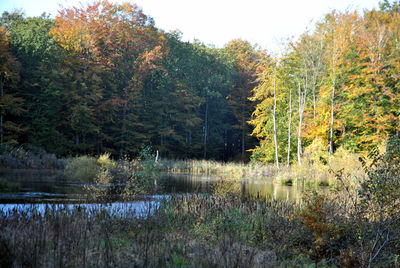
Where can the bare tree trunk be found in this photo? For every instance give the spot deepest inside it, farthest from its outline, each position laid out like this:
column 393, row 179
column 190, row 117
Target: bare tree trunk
column 157, row 155
column 290, row 122
column 332, row 119
column 274, row 117
column 205, row 130
column 302, row 101
column 299, row 149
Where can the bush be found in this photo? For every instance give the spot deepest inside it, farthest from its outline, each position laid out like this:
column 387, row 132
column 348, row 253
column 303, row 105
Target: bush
column 122, row 179
column 83, row 169
column 104, row 161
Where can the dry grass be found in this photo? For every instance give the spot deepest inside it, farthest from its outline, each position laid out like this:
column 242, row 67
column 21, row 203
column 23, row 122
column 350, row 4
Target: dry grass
column 209, row 167
column 200, row 231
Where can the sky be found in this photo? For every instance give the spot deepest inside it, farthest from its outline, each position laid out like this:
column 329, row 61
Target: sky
column 267, row 23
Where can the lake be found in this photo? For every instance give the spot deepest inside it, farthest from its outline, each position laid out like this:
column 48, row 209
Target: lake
column 40, row 188
column 49, row 185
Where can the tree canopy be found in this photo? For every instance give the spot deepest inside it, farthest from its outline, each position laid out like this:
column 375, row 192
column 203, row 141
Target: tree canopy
column 103, row 78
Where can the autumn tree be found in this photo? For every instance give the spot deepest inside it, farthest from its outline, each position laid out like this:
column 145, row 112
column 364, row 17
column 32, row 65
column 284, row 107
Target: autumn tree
column 339, row 28
column 247, row 60
column 368, row 94
column 344, row 78
column 10, row 104
column 40, row 83
column 270, row 118
column 174, row 126
column 124, row 41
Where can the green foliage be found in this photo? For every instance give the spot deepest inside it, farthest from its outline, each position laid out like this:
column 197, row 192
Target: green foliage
column 11, row 103
column 82, row 168
column 393, row 147
column 149, row 167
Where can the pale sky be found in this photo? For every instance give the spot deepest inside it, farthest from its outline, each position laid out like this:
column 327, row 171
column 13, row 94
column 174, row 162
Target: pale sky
column 262, row 22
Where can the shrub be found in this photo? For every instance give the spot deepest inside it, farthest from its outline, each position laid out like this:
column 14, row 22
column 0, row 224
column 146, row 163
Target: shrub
column 82, row 168
column 123, row 179
column 104, row 161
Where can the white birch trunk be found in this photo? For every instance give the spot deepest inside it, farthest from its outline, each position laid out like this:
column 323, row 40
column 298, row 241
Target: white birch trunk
column 302, row 98
column 274, row 117
column 290, row 122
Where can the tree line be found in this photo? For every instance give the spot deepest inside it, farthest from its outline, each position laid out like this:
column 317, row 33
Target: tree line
column 102, row 78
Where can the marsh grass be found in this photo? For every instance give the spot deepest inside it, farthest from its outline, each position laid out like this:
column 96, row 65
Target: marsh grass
column 314, row 170
column 182, row 231
column 210, row 167
column 198, row 231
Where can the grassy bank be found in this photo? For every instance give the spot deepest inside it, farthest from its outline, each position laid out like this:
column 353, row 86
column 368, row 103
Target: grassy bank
column 313, row 170
column 358, row 226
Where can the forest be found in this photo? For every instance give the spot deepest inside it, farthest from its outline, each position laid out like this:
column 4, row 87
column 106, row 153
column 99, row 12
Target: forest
column 103, row 78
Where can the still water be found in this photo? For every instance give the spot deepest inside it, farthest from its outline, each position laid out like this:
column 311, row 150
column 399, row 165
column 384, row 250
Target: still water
column 33, row 191
column 250, row 187
column 47, row 186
